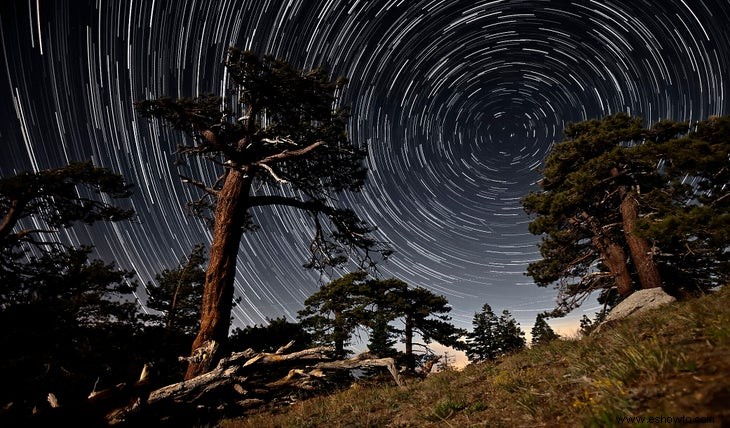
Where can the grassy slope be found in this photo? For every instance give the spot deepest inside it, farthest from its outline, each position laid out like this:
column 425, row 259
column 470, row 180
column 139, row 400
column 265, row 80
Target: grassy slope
column 674, row 361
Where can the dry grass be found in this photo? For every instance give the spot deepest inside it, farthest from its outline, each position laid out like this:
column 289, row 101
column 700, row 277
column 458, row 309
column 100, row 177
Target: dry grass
column 669, row 362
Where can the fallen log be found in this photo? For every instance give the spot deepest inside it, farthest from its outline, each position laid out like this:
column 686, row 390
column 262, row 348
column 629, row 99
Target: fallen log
column 228, row 372
column 246, row 380
column 359, row 362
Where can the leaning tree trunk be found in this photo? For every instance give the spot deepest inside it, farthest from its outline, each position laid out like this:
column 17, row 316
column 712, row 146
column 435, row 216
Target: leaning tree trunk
column 613, row 256
column 215, row 313
column 640, row 249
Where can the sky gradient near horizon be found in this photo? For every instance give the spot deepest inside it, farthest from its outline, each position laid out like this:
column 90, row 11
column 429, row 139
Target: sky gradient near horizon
column 458, row 101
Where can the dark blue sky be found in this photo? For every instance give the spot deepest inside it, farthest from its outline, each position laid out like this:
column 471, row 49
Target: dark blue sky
column 459, row 102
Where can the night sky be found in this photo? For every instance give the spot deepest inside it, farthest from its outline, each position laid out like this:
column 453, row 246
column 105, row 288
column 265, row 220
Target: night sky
column 459, row 102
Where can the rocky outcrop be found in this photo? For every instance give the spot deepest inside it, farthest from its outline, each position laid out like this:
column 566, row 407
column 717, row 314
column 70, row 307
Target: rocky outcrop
column 639, row 301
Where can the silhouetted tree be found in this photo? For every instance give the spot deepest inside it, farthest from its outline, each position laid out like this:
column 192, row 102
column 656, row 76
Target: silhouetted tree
column 586, row 325
column 54, row 198
column 176, row 294
column 277, row 140
column 482, row 341
column 509, row 336
column 382, row 336
column 174, row 297
column 333, row 313
column 542, row 332
column 68, row 325
column 68, row 322
column 493, row 336
column 423, row 313
column 609, row 298
column 342, row 306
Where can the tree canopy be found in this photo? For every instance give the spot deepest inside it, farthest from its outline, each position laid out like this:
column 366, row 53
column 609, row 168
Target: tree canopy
column 688, row 217
column 424, row 313
column 276, row 333
column 65, row 316
column 278, row 139
column 54, row 198
column 482, row 340
column 339, row 308
column 68, row 321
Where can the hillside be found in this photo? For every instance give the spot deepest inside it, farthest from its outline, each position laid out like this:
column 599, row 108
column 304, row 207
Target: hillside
column 668, row 363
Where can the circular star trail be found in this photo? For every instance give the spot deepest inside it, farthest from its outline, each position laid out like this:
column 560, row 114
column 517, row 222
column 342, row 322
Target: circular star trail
column 458, row 102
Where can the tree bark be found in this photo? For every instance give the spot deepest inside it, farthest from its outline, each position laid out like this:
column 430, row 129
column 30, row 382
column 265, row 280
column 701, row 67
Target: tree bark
column 613, row 256
column 410, row 361
column 215, row 313
column 640, row 249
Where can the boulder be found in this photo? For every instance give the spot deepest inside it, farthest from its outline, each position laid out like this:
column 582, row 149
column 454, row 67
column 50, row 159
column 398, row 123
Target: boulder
column 639, row 301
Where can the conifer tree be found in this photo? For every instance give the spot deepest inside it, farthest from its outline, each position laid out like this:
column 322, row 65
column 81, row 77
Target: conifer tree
column 588, row 207
column 423, row 313
column 622, row 205
column 277, row 139
column 271, row 336
column 339, row 308
column 54, row 198
column 176, row 294
column 68, row 322
column 382, row 336
column 333, row 313
column 509, row 336
column 542, row 332
column 689, row 220
column 482, row 343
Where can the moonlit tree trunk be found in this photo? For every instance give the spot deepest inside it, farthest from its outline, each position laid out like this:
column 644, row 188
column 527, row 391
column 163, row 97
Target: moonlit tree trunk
column 615, row 258
column 640, row 249
column 217, row 301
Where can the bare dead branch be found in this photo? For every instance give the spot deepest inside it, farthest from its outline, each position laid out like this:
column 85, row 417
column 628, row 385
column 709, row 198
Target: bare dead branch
column 359, row 362
column 291, row 153
column 272, row 173
column 209, row 190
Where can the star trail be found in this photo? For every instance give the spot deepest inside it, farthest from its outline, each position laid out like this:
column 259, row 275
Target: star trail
column 458, row 102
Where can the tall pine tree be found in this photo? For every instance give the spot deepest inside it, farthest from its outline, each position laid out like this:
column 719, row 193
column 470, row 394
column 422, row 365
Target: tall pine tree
column 277, row 139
